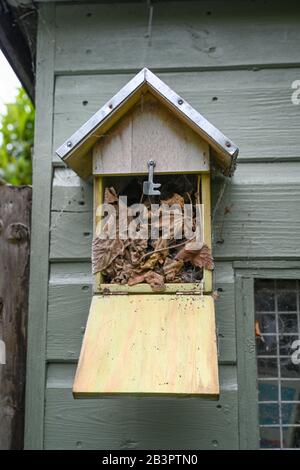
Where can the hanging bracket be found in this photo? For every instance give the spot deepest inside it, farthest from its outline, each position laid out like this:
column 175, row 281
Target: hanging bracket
column 149, row 187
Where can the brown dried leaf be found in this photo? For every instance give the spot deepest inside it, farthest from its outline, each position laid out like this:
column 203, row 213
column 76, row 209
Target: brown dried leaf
column 136, row 279
column 191, row 275
column 171, row 268
column 194, row 245
column 175, row 199
column 200, row 258
column 155, row 280
column 160, row 244
column 104, row 252
column 110, row 195
column 137, row 249
column 171, row 223
column 150, row 262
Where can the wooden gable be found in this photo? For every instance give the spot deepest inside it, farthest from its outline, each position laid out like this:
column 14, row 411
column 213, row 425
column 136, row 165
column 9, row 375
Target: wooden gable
column 150, row 131
column 77, row 151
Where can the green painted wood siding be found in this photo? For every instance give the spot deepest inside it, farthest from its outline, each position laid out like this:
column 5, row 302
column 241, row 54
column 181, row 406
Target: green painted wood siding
column 235, row 62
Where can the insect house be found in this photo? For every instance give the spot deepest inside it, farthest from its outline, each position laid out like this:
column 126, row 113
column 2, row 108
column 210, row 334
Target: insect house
column 151, row 326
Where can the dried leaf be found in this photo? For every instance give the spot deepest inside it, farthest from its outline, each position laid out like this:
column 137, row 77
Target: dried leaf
column 171, row 223
column 136, row 279
column 258, row 332
column 155, row 280
column 110, row 196
column 137, row 249
column 150, row 262
column 171, row 268
column 194, row 245
column 215, row 295
column 104, row 252
column 200, row 258
column 128, row 261
column 160, row 244
column 175, row 199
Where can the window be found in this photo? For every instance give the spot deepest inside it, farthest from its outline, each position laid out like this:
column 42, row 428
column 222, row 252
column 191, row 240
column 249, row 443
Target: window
column 277, row 329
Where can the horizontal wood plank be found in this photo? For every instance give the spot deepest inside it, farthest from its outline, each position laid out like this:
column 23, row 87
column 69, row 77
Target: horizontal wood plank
column 71, row 235
column 70, row 193
column 199, row 34
column 258, row 216
column 147, row 423
column 253, row 108
column 70, row 294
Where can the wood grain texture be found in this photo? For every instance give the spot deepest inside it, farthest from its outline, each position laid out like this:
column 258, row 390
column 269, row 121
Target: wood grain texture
column 67, row 317
column 224, row 287
column 231, row 35
column 252, row 107
column 150, row 132
column 149, row 345
column 258, row 216
column 247, row 365
column 143, row 288
column 39, row 266
column 71, row 197
column 15, row 215
column 71, row 235
column 139, row 423
column 70, row 193
column 235, row 65
column 206, row 201
column 70, row 294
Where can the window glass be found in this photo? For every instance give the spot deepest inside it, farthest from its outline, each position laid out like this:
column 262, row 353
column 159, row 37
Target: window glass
column 277, row 327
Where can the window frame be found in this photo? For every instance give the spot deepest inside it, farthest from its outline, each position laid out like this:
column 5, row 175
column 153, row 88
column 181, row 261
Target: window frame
column 245, row 274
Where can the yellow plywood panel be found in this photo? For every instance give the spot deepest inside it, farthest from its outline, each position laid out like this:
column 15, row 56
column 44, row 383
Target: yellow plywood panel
column 206, row 201
column 100, row 288
column 149, row 345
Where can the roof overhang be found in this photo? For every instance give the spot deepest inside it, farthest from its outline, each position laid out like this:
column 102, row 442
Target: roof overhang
column 18, row 25
column 76, row 151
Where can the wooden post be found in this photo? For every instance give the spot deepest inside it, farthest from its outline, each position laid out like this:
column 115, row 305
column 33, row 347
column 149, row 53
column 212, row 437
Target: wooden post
column 15, row 210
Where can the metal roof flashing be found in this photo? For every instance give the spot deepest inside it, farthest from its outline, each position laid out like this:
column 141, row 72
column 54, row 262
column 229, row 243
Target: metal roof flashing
column 76, row 147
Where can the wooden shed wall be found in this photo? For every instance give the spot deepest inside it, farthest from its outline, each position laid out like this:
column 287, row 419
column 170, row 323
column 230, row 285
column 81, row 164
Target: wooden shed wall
column 235, row 62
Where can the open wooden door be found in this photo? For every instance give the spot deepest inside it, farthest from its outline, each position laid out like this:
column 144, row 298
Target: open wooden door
column 149, row 344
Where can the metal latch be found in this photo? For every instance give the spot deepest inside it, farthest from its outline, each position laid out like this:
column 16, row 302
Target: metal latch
column 149, row 187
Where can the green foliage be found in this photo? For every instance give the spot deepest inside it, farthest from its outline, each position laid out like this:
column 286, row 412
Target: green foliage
column 16, row 140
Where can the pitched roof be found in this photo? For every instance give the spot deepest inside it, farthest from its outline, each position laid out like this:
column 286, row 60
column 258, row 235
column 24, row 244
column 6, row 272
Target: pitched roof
column 75, row 151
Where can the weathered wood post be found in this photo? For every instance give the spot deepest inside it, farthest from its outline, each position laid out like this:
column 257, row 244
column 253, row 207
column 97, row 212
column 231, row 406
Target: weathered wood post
column 15, row 210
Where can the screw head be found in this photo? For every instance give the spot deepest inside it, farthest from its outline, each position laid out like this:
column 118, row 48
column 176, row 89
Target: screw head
column 69, row 143
column 228, row 144
column 151, row 162
column 180, row 101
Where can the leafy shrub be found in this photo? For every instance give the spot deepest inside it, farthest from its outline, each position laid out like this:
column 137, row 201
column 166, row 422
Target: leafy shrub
column 16, row 140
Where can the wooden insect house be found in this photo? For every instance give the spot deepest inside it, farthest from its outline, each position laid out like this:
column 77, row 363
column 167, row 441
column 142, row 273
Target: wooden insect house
column 151, row 326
